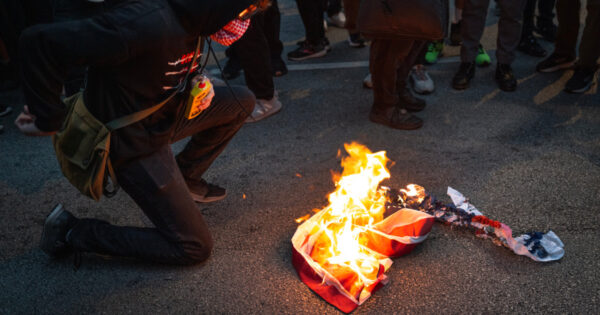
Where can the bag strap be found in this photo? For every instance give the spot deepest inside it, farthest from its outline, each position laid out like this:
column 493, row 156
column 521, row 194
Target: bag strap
column 137, row 116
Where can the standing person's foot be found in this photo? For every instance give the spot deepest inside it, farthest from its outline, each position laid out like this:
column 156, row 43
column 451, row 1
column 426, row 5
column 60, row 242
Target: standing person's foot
column 505, row 78
column 408, row 101
column 462, row 78
column 582, row 80
column 307, row 51
column 204, row 192
column 396, row 118
column 555, row 62
column 455, row 38
column 530, row 46
column 337, row 20
column 482, row 59
column 368, row 82
column 54, row 235
column 421, row 81
column 547, row 30
column 279, row 67
column 356, row 41
column 5, row 110
column 232, row 69
column 434, row 51
column 264, row 108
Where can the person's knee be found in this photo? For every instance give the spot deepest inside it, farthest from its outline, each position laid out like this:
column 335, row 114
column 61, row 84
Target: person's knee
column 197, row 251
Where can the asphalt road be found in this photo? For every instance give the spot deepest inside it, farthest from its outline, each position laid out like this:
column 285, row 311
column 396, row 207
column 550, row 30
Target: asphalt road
column 530, row 159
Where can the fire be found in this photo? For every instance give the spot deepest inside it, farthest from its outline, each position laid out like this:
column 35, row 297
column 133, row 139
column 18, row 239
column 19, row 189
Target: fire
column 355, row 206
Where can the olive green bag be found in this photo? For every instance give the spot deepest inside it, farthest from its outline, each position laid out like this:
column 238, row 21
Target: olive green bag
column 82, row 145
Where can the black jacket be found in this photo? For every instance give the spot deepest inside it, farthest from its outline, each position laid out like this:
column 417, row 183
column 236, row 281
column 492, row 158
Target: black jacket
column 136, row 51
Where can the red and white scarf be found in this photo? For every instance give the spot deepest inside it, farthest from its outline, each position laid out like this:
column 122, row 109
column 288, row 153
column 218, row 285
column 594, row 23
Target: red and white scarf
column 231, row 32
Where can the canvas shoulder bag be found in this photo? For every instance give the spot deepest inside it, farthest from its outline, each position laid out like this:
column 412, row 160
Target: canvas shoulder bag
column 399, row 19
column 82, row 145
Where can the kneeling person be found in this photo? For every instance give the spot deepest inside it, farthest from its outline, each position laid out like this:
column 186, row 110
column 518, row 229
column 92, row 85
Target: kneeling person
column 138, row 54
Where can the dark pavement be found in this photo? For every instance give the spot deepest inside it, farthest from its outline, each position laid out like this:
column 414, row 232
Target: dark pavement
column 530, row 159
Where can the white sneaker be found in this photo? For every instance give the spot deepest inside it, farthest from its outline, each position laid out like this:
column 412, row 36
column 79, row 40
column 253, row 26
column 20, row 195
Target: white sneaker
column 264, row 108
column 367, row 83
column 338, row 20
column 421, row 81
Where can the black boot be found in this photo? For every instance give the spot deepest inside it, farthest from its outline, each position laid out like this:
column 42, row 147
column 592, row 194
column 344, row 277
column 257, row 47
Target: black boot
column 530, row 46
column 409, row 102
column 54, row 236
column 462, row 78
column 505, row 78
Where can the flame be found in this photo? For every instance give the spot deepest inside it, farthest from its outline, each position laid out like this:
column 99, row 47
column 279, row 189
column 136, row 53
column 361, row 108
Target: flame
column 355, row 205
column 413, row 190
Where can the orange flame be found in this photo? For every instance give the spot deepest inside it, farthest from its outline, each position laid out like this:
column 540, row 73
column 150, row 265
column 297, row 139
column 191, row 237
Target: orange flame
column 355, row 205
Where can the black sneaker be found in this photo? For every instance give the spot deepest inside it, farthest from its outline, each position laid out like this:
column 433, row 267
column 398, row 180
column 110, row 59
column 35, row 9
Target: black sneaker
column 505, row 78
column 397, row 118
column 555, row 62
column 278, row 66
column 409, row 102
column 54, row 236
column 455, row 38
column 530, row 46
column 232, row 69
column 546, row 29
column 307, row 51
column 356, row 41
column 462, row 78
column 203, row 192
column 324, row 41
column 581, row 81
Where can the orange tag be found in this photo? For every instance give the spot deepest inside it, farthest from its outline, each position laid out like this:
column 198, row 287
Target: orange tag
column 199, row 91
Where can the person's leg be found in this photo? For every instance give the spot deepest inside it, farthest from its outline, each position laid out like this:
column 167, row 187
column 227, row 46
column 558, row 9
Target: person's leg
column 589, row 48
column 311, row 12
column 180, row 235
column 567, row 13
column 528, row 43
column 528, row 15
column 334, row 7
column 406, row 99
column 271, row 27
column 386, row 57
column 252, row 50
column 509, row 30
column 212, row 130
column 473, row 23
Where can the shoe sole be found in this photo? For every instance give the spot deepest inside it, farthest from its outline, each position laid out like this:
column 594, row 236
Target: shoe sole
column 203, row 199
column 561, row 66
column 581, row 90
column 269, row 114
column 44, row 242
column 315, row 55
column 355, row 45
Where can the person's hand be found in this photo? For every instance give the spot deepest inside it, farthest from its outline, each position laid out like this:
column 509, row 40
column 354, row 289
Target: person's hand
column 207, row 99
column 26, row 124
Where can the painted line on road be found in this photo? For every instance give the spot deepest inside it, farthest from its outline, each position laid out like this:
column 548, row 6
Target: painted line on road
column 345, row 65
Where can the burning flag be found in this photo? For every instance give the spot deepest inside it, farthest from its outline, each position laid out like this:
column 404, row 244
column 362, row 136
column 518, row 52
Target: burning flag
column 343, row 251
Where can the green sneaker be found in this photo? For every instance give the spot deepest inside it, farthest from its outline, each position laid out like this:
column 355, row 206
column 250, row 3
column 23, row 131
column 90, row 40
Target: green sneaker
column 482, row 59
column 434, row 51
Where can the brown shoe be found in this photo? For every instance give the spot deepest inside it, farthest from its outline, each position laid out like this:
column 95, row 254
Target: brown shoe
column 397, row 118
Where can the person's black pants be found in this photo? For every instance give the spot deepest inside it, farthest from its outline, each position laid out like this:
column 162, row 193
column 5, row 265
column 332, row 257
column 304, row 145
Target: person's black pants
column 389, row 63
column 255, row 50
column 545, row 10
column 568, row 15
column 157, row 183
column 311, row 12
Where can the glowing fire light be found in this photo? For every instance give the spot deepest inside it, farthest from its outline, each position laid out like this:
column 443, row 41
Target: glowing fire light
column 355, row 206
